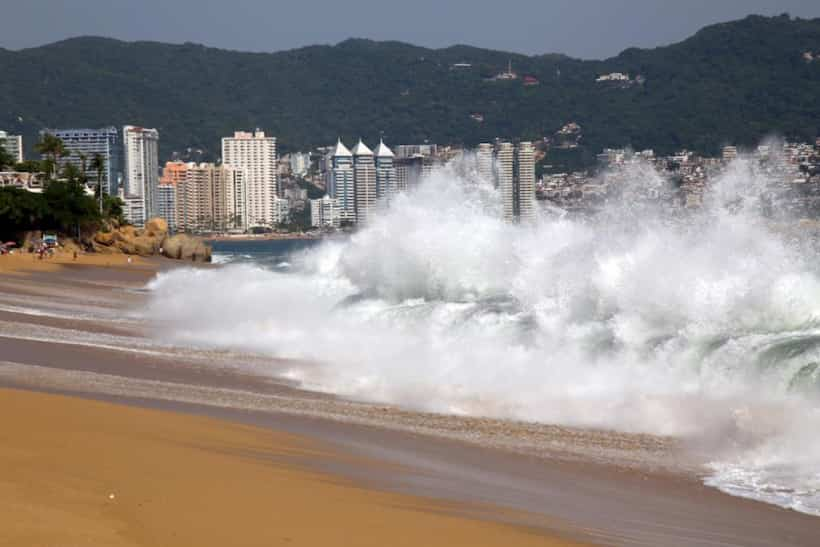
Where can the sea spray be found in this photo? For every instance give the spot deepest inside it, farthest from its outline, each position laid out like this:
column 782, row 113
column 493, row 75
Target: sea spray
column 701, row 325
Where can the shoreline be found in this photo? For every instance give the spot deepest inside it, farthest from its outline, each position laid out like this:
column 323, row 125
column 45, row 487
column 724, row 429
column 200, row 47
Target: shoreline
column 583, row 481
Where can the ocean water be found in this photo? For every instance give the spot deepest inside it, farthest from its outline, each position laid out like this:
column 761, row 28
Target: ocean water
column 707, row 328
column 266, row 253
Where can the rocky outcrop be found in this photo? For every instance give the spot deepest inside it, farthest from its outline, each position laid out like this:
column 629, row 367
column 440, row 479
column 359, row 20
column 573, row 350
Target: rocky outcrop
column 185, row 247
column 151, row 241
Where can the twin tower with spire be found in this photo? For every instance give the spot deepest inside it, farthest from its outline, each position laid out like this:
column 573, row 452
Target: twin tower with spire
column 360, row 180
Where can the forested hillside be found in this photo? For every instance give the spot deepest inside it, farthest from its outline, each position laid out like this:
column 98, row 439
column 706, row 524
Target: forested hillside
column 733, row 82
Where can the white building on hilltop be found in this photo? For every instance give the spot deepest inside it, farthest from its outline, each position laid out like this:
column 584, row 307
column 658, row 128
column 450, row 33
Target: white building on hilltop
column 255, row 154
column 341, row 184
column 141, row 148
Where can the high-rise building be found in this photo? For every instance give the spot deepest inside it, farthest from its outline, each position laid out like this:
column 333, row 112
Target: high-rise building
column 325, row 212
column 341, row 184
column 504, row 168
column 167, row 204
column 515, row 169
column 410, row 150
column 202, row 198
column 174, row 172
column 141, row 171
column 408, row 171
column 364, row 180
column 169, row 192
column 484, row 156
column 82, row 145
column 13, row 145
column 525, row 182
column 281, row 211
column 386, row 183
column 255, row 154
column 236, row 199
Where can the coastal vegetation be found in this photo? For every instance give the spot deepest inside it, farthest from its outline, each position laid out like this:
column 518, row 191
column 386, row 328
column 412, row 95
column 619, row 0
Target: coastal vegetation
column 63, row 206
column 734, row 83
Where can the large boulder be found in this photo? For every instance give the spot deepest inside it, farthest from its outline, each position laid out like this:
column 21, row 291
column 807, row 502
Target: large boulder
column 156, row 227
column 146, row 246
column 105, row 238
column 185, row 247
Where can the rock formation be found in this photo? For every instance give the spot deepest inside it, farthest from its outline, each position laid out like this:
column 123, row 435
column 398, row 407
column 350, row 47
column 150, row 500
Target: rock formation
column 150, row 241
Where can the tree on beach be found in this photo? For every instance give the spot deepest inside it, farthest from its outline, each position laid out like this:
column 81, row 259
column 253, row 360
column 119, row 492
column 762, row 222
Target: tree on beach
column 53, row 149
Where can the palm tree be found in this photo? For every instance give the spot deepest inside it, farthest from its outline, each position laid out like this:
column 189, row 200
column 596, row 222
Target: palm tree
column 98, row 165
column 52, row 148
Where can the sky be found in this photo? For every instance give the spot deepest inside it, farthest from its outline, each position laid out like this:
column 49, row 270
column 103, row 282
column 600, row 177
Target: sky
column 591, row 29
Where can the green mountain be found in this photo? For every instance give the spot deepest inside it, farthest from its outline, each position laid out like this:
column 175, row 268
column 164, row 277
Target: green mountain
column 734, row 82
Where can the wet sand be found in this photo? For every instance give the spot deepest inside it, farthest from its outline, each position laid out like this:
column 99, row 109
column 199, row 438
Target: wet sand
column 591, row 485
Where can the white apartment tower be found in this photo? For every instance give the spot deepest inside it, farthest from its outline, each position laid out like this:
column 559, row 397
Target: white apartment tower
column 485, row 162
column 516, row 181
column 504, row 164
column 341, row 185
column 141, row 148
column 255, row 154
column 364, row 180
column 386, row 180
column 525, row 182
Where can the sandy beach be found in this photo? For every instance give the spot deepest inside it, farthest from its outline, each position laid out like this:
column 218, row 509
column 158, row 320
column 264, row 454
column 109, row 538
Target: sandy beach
column 87, row 473
column 70, row 329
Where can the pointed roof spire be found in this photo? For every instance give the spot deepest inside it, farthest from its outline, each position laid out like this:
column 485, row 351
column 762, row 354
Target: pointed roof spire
column 361, row 150
column 382, row 151
column 341, row 150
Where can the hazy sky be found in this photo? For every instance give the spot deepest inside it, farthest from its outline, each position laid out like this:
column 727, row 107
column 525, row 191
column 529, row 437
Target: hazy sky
column 581, row 28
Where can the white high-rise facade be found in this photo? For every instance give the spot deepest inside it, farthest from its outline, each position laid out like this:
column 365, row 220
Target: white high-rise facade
column 141, row 148
column 13, row 145
column 255, row 155
column 386, row 179
column 325, row 212
column 504, row 167
column 341, row 185
column 515, row 167
column 485, row 162
column 525, row 182
column 364, row 177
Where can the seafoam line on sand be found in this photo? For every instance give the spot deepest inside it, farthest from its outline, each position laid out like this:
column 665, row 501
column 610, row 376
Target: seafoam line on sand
column 551, row 442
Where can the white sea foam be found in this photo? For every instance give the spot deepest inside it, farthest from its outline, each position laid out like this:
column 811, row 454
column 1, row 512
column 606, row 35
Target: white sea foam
column 706, row 329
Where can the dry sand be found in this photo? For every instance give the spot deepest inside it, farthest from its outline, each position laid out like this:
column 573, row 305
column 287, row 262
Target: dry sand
column 75, row 472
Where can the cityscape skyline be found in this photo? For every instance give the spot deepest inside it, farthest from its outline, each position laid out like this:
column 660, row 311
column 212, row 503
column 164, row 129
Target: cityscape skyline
column 252, row 188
